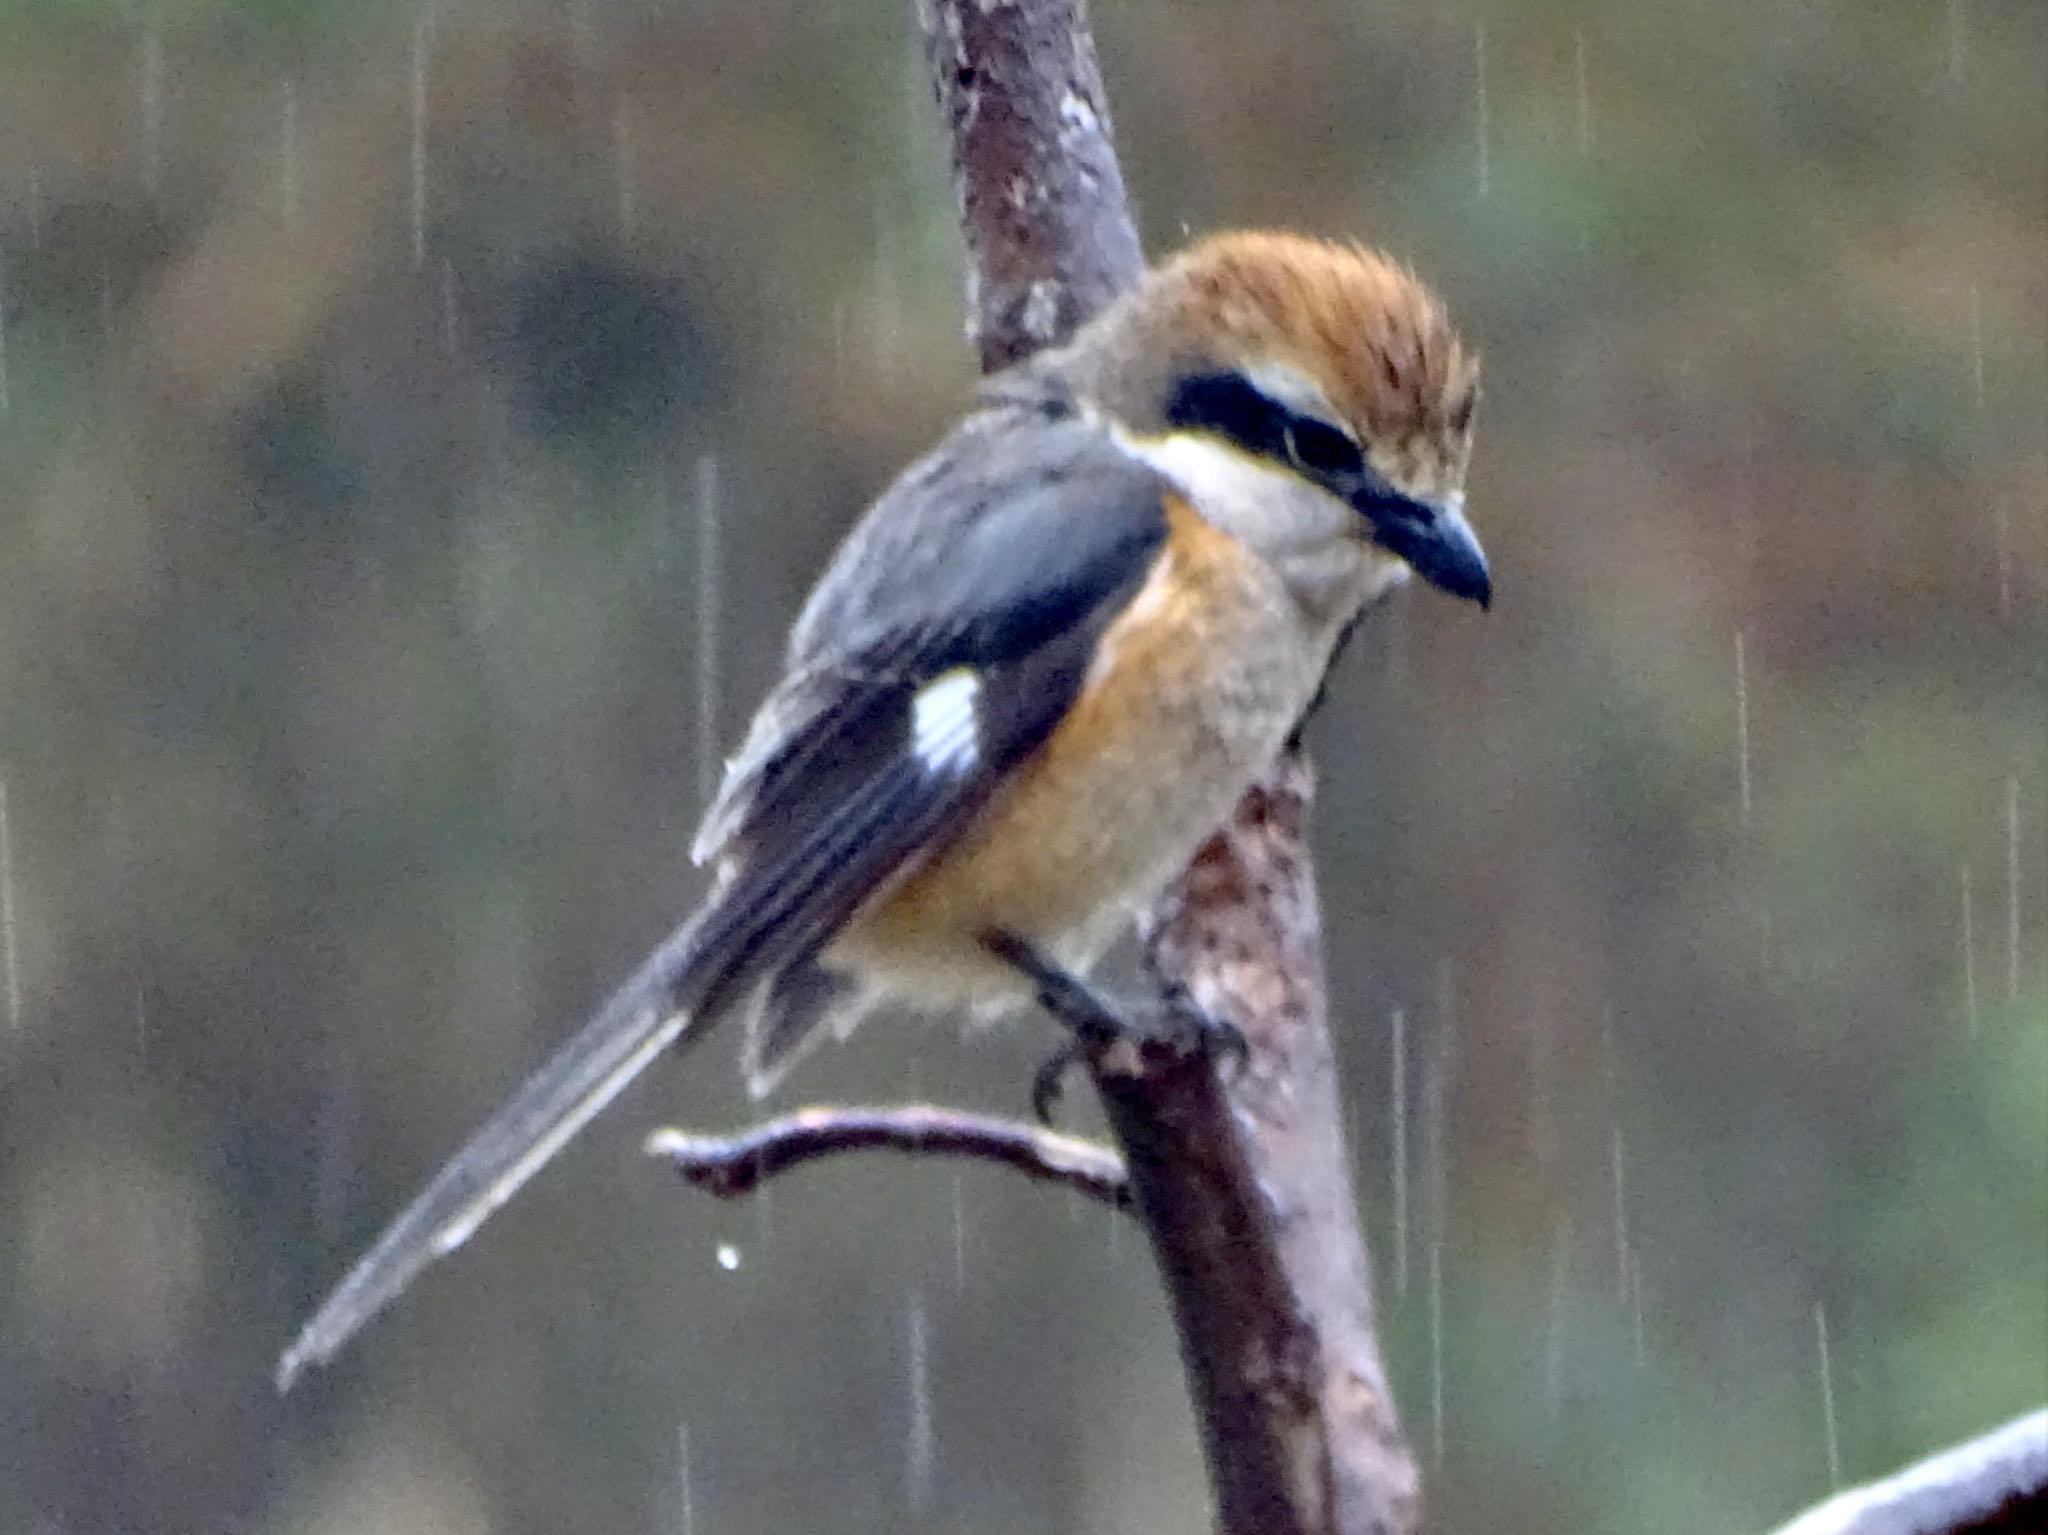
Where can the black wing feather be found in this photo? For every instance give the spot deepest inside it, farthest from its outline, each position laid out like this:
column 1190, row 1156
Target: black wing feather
column 839, row 818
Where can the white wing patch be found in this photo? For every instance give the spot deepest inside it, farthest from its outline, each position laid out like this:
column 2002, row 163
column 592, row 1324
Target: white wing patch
column 945, row 721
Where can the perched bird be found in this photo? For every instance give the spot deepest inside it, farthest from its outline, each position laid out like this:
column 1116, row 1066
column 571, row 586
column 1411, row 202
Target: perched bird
column 1035, row 676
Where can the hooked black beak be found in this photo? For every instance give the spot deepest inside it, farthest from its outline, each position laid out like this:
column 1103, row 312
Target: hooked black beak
column 1436, row 541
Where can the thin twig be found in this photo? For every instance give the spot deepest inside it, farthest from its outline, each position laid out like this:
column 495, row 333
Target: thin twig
column 733, row 1165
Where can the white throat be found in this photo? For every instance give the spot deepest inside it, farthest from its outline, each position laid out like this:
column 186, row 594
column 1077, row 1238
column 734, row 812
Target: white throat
column 1311, row 539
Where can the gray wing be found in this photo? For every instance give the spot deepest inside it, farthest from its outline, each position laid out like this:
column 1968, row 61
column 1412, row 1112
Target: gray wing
column 1039, row 508
column 1049, row 529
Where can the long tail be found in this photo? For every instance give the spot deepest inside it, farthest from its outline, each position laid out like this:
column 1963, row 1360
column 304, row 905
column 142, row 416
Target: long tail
column 770, row 909
column 642, row 1019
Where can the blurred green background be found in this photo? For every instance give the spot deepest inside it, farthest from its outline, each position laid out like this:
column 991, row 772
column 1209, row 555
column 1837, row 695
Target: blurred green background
column 373, row 380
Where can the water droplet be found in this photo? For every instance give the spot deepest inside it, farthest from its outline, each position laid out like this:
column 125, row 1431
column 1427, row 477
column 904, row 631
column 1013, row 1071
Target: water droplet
column 288, row 152
column 1485, row 114
column 1827, row 1394
column 10, row 952
column 709, row 595
column 1399, row 1093
column 1585, row 100
column 2012, row 888
column 3, row 344
column 1436, row 1351
column 149, row 87
column 1617, row 1162
column 623, row 169
column 686, row 1489
column 1742, row 781
column 923, row 1436
column 1969, row 956
column 1560, row 1293
column 421, row 47
column 959, row 1232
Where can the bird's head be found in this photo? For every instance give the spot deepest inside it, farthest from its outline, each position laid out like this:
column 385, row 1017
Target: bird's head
column 1313, row 364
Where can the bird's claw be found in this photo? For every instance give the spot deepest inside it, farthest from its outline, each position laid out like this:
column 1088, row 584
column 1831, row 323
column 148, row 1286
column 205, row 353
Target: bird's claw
column 1174, row 1021
column 1048, row 1082
column 1098, row 1023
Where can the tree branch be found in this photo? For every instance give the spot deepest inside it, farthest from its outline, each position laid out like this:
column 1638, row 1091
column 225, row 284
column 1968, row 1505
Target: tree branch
column 1245, row 1189
column 1993, row 1485
column 732, row 1165
column 1257, row 1226
column 1042, row 208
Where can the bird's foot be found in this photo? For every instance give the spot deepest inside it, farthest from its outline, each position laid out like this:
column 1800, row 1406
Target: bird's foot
column 1049, row 1082
column 1099, row 1022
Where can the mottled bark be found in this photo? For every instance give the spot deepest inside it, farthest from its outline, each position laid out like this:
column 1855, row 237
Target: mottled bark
column 1257, row 1227
column 1043, row 214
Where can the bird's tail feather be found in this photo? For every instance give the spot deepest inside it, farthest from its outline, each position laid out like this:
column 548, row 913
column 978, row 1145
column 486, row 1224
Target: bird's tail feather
column 769, row 911
column 645, row 1016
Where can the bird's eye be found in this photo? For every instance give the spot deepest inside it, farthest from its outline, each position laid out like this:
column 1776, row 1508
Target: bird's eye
column 1322, row 450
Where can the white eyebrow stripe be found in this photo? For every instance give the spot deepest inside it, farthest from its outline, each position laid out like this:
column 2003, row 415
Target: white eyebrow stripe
column 945, row 721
